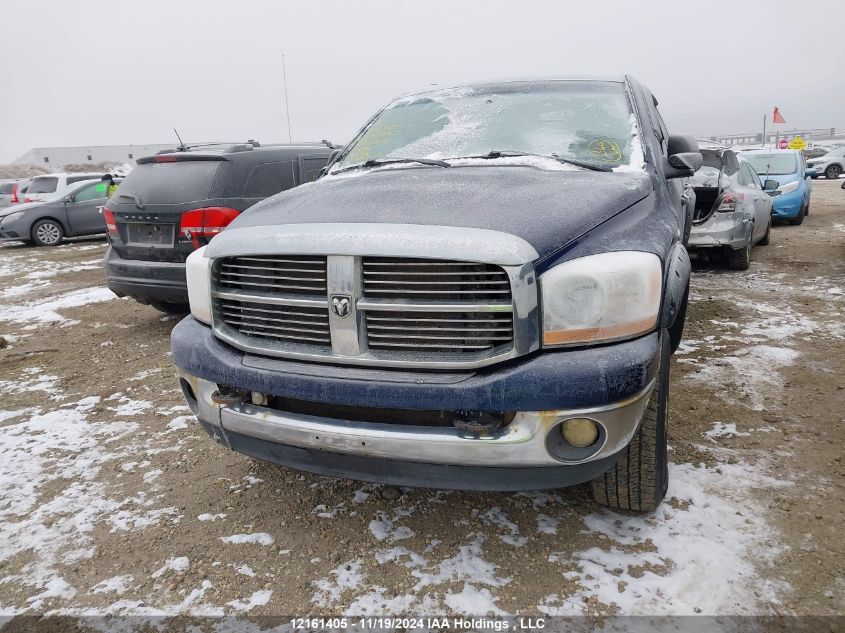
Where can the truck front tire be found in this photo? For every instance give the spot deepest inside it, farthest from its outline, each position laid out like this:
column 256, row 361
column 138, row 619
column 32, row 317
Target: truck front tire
column 639, row 478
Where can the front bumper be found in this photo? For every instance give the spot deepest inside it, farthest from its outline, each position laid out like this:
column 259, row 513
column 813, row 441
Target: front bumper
column 610, row 385
column 722, row 229
column 788, row 205
column 146, row 280
column 17, row 229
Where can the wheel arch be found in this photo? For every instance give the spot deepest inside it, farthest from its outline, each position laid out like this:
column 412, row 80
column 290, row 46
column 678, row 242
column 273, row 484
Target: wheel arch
column 676, row 281
column 48, row 217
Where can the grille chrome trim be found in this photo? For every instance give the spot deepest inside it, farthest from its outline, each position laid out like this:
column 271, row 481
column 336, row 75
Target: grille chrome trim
column 450, row 323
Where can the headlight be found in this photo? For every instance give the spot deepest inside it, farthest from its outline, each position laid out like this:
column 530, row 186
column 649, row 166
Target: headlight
column 789, row 187
column 603, row 297
column 11, row 217
column 198, row 274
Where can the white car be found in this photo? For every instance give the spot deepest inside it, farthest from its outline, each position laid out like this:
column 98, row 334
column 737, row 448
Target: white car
column 831, row 165
column 54, row 186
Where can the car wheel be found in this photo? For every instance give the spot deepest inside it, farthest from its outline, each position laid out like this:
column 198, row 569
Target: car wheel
column 767, row 236
column 807, row 209
column 832, row 172
column 798, row 220
column 47, row 233
column 171, row 308
column 639, row 478
column 740, row 259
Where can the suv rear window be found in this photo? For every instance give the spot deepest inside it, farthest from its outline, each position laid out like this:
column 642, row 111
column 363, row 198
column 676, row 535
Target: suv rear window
column 7, row 188
column 44, row 185
column 171, row 183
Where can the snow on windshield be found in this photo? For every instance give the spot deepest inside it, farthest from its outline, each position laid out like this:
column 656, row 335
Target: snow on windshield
column 588, row 122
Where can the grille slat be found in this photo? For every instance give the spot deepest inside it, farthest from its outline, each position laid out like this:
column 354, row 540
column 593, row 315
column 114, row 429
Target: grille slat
column 287, row 337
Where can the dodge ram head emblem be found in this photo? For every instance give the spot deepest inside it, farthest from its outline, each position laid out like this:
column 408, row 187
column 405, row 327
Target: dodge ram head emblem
column 340, row 305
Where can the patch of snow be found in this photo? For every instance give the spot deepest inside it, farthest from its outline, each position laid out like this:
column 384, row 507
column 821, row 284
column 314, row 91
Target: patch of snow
column 117, row 584
column 724, row 429
column 257, row 538
column 257, row 599
column 178, row 564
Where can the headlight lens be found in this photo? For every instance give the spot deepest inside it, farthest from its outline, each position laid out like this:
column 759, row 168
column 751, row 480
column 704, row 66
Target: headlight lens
column 605, row 297
column 789, row 187
column 11, row 217
column 198, row 274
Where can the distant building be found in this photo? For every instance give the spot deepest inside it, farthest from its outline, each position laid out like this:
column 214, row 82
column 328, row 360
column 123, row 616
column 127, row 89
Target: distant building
column 57, row 157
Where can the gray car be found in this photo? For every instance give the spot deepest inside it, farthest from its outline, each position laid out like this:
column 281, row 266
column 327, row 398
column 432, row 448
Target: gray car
column 733, row 210
column 77, row 213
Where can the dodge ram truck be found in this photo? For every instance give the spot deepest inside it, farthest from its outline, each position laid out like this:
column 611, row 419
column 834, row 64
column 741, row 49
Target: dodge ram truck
column 481, row 292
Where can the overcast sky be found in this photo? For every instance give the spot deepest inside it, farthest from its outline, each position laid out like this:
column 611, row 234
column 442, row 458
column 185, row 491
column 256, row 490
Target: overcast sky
column 127, row 72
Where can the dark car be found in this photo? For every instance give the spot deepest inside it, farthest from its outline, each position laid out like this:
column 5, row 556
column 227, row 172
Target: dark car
column 175, row 202
column 79, row 212
column 483, row 292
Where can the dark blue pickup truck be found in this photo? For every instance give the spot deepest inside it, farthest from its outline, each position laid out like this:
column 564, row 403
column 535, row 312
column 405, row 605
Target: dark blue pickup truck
column 482, row 292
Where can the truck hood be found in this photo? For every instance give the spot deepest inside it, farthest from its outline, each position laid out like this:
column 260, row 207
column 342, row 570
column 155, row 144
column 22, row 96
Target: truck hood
column 546, row 208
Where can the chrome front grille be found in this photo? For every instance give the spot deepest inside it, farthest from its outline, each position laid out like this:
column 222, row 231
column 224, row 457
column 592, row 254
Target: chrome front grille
column 438, row 331
column 277, row 322
column 302, row 274
column 390, row 311
column 395, row 278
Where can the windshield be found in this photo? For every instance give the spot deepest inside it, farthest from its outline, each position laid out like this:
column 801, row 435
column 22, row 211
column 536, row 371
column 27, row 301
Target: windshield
column 772, row 164
column 587, row 121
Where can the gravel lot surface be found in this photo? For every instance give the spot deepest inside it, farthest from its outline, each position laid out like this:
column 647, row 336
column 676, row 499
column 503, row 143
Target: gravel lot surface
column 113, row 500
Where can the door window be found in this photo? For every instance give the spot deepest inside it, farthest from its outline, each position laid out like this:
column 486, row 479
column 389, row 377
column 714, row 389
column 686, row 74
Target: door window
column 97, row 191
column 311, row 167
column 268, row 179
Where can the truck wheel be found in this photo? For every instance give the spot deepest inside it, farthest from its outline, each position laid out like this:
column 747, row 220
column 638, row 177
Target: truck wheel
column 798, row 220
column 47, row 233
column 832, row 172
column 640, row 477
column 170, row 308
column 767, row 237
column 740, row 259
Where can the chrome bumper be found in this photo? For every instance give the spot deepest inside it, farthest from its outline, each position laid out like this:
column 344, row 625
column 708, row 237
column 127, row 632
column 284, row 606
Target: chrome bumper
column 521, row 443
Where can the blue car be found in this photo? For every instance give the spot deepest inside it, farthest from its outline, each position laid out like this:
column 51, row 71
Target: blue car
column 787, row 179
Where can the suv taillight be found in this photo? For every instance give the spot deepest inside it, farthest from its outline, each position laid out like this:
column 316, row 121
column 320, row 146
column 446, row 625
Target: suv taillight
column 200, row 225
column 111, row 225
column 15, row 198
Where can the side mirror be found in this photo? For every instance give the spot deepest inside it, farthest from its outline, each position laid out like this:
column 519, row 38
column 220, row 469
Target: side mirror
column 811, row 171
column 770, row 185
column 68, row 198
column 682, row 165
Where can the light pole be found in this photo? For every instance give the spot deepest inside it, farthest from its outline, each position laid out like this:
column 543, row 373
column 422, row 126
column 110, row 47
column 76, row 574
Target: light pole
column 287, row 106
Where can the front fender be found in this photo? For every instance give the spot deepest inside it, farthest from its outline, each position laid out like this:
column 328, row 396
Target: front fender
column 676, row 281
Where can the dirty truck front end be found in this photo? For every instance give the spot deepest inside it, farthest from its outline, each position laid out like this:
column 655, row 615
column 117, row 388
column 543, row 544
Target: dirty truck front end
column 439, row 312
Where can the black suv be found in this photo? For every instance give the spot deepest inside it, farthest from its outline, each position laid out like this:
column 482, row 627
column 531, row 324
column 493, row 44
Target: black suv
column 176, row 201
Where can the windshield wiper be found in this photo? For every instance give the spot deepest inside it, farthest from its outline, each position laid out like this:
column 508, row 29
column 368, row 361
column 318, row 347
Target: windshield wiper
column 499, row 153
column 378, row 162
column 136, row 199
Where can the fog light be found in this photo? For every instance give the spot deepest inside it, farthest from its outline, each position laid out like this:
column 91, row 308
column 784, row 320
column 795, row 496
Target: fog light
column 579, row 432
